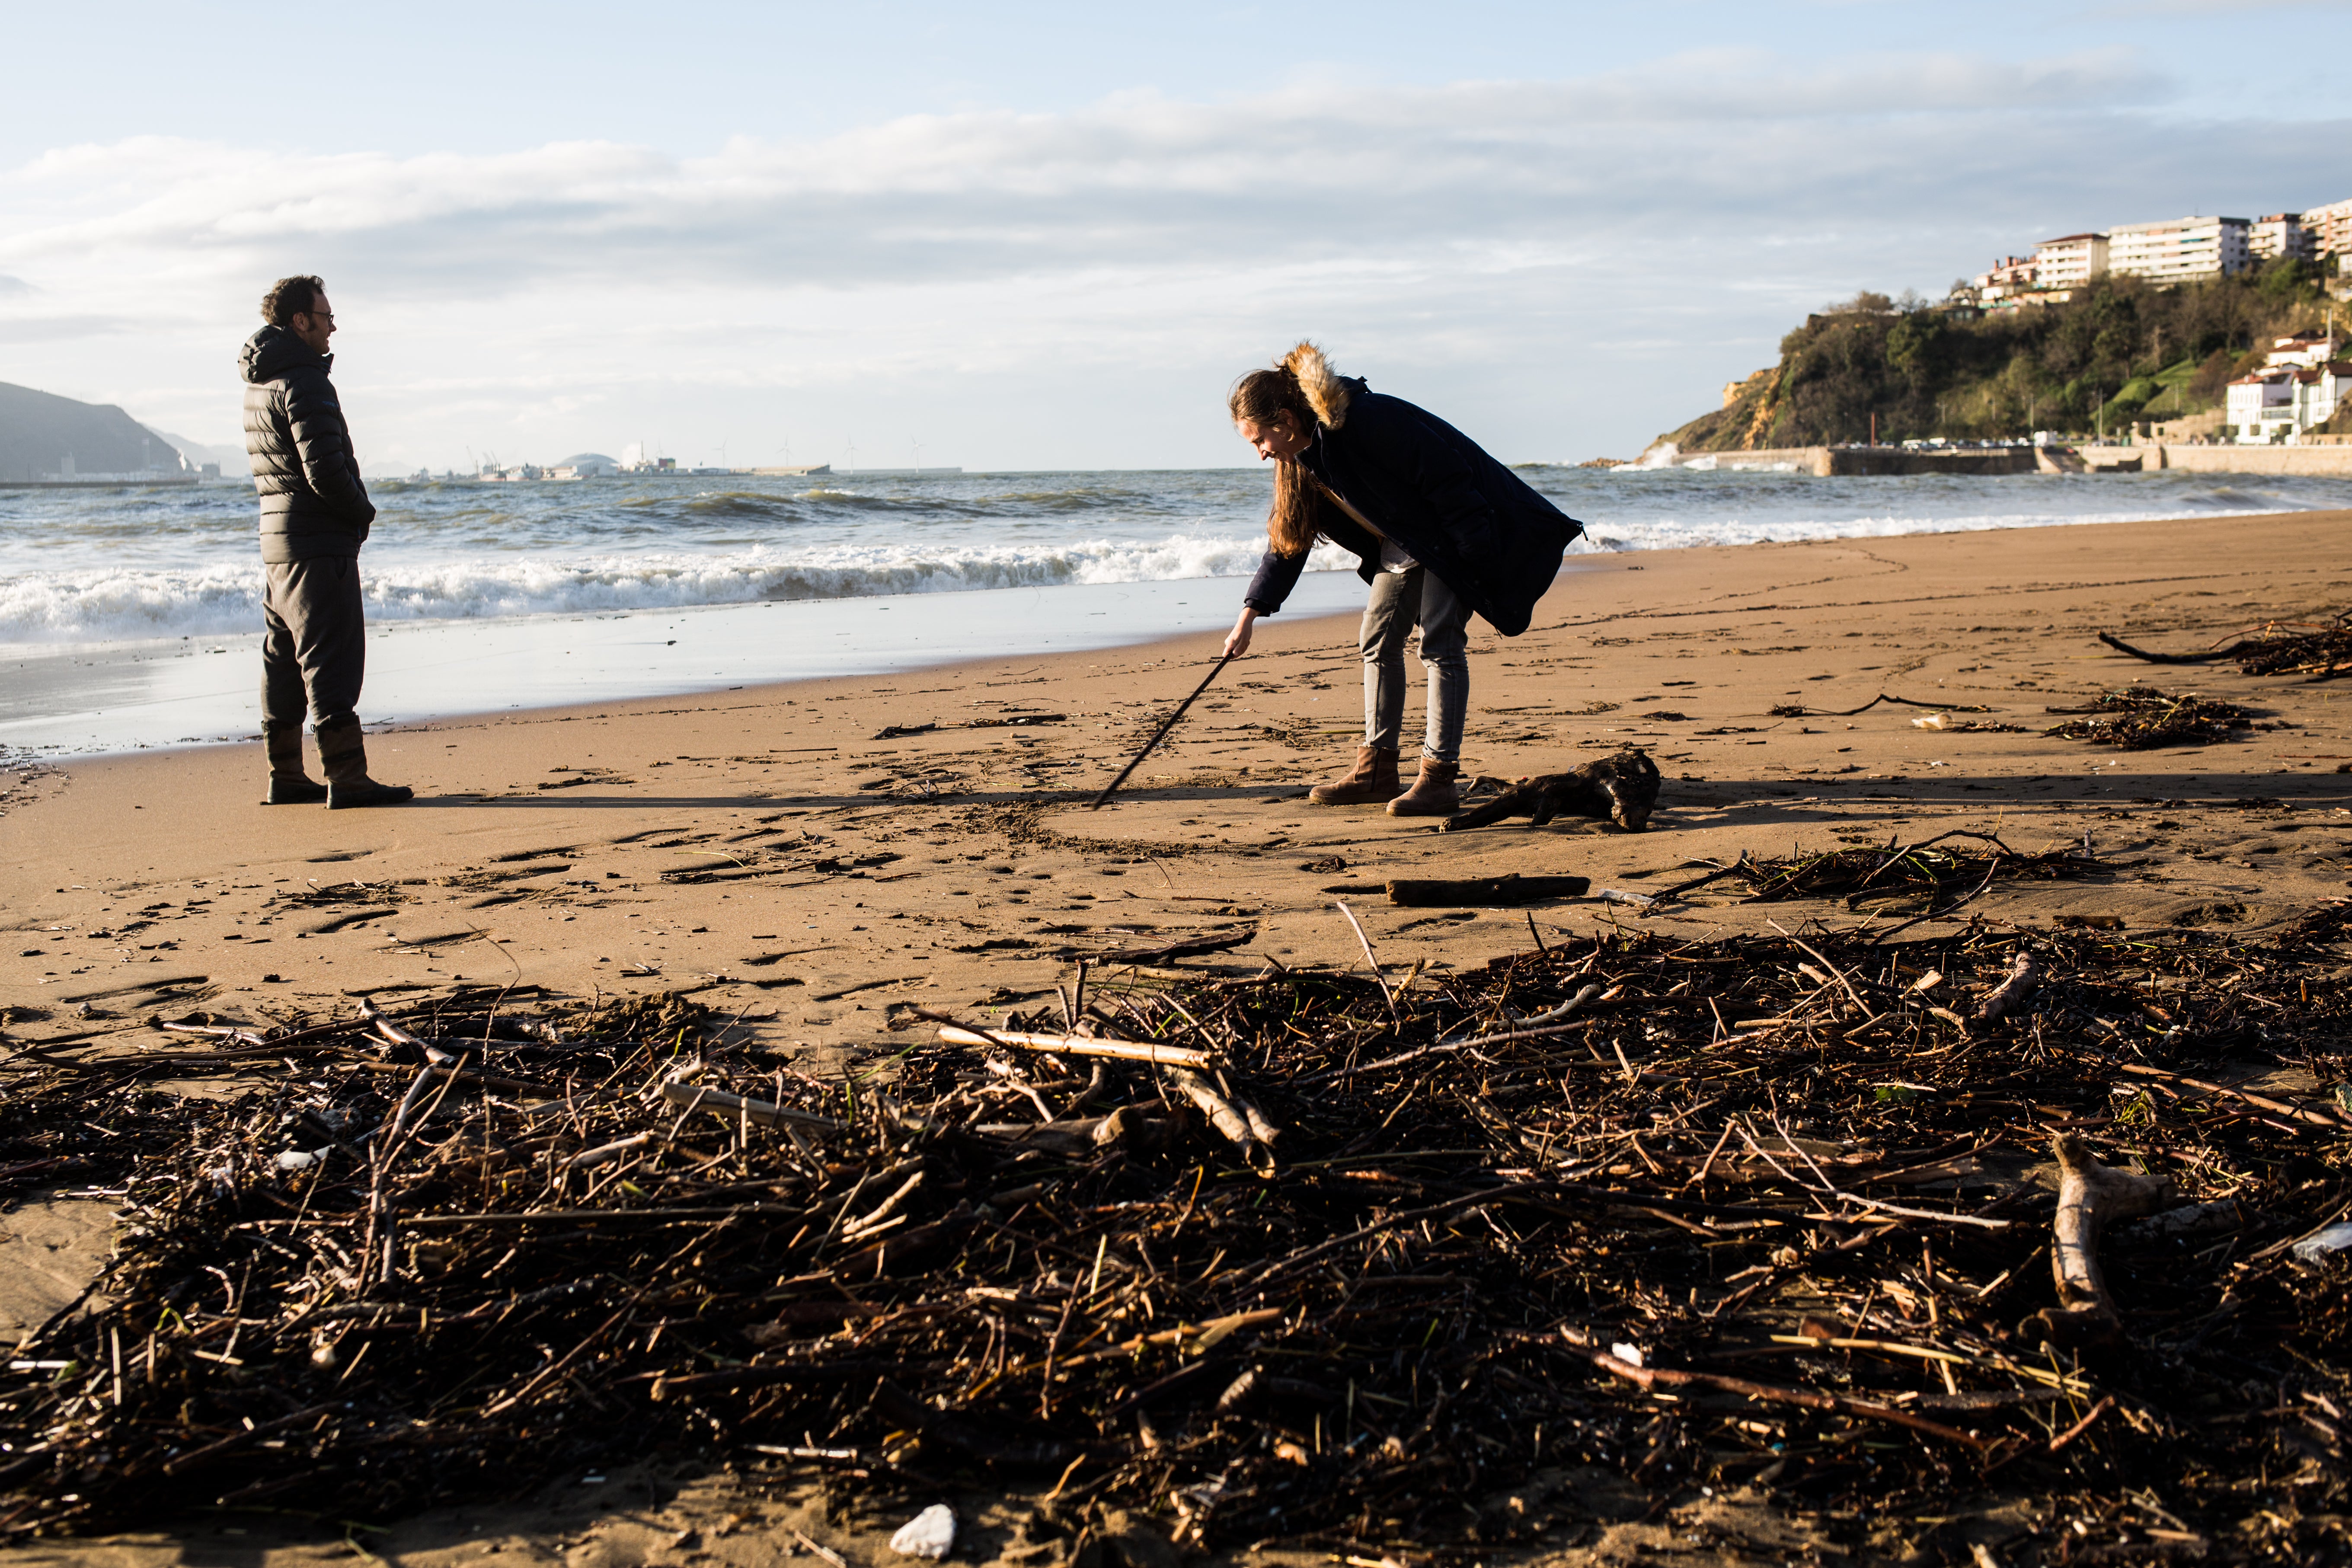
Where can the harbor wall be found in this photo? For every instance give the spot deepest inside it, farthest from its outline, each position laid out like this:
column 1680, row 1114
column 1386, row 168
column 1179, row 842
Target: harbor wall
column 2329, row 460
column 1824, row 461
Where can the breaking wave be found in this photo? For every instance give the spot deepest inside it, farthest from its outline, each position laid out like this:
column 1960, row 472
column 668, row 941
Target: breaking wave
column 131, row 603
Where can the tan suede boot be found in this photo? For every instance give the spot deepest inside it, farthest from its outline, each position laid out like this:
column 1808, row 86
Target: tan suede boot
column 342, row 753
column 1372, row 780
column 1436, row 793
column 289, row 784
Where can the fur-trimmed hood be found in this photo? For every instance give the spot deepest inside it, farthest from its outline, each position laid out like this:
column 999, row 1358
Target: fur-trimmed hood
column 1421, row 483
column 1327, row 394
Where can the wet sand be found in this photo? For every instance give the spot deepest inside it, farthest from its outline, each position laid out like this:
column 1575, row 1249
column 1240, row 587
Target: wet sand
column 778, row 850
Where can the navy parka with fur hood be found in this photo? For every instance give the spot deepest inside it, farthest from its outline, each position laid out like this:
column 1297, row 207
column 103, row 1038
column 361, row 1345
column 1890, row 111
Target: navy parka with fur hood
column 1471, row 521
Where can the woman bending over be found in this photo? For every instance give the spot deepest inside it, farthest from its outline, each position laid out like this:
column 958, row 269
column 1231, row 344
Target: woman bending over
column 1439, row 530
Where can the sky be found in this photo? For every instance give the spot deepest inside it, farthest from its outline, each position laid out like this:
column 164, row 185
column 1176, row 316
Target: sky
column 1050, row 235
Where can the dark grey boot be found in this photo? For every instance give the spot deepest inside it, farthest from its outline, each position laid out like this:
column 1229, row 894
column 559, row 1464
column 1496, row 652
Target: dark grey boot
column 342, row 751
column 289, row 784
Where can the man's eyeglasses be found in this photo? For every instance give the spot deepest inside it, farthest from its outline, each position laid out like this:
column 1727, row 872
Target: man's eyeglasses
column 326, row 316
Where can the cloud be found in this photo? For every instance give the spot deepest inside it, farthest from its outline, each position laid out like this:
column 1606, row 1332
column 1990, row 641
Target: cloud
column 1502, row 235
column 1318, row 166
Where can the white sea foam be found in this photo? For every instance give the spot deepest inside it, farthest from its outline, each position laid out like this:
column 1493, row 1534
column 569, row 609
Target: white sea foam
column 125, row 603
column 1681, row 534
column 121, row 568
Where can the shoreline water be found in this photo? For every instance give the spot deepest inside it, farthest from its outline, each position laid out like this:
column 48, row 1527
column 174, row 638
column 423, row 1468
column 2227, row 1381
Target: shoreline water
column 606, row 589
column 125, row 697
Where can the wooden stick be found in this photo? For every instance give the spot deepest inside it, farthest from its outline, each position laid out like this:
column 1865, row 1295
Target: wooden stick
column 1378, row 978
column 1112, row 788
column 2079, row 1427
column 2089, row 1195
column 1650, row 1376
column 1185, row 949
column 719, row 1102
column 2120, row 646
column 1511, row 889
column 1080, row 1046
column 1245, row 1131
column 2012, row 994
column 253, row 1038
column 399, row 1036
column 2283, row 1107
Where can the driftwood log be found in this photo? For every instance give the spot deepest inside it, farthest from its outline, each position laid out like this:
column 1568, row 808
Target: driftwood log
column 2012, row 994
column 1622, row 788
column 1514, row 888
column 2090, row 1197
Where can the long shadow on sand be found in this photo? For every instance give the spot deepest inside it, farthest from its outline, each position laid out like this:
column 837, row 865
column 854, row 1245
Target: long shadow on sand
column 568, row 799
column 1797, row 798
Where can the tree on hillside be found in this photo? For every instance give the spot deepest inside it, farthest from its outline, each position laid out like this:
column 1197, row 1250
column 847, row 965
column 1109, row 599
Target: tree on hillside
column 2116, row 348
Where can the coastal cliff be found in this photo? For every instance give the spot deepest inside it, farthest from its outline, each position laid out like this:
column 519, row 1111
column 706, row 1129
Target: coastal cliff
column 43, row 437
column 2116, row 353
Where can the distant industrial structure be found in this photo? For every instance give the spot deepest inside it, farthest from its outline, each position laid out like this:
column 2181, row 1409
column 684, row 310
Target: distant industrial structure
column 633, row 463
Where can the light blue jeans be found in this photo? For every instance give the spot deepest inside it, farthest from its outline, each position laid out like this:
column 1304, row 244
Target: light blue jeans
column 1400, row 601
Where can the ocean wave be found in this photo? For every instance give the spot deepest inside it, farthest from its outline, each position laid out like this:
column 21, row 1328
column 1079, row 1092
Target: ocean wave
column 131, row 604
column 1623, row 533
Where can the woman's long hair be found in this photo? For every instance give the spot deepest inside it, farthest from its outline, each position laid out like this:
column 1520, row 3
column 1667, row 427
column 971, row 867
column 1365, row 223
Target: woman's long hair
column 1301, row 388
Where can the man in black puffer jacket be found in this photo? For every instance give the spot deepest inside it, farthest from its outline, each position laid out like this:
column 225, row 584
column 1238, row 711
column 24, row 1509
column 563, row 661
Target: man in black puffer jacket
column 315, row 514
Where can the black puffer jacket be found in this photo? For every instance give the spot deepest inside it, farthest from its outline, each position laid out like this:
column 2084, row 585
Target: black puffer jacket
column 312, row 502
column 1477, row 525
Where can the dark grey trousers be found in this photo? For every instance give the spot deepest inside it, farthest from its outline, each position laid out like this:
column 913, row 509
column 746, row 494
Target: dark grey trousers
column 313, row 641
column 1400, row 600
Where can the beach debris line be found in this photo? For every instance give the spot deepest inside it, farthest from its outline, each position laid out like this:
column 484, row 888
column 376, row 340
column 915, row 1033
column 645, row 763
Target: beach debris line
column 2321, row 650
column 1341, row 1275
column 1799, row 711
column 2138, row 718
column 1008, row 721
column 1932, row 868
column 1950, row 725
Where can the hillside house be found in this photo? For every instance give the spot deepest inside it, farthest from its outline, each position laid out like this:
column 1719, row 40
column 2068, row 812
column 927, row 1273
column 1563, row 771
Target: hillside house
column 2276, row 406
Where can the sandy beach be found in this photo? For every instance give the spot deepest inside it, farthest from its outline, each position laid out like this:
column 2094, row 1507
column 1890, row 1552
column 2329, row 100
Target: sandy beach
column 819, row 857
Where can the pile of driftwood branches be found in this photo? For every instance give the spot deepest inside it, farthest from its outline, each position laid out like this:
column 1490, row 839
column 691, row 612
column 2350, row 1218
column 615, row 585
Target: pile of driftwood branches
column 2140, row 717
column 1341, row 1259
column 1927, row 874
column 2318, row 650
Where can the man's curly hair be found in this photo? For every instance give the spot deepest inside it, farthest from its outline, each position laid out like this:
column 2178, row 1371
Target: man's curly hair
column 290, row 297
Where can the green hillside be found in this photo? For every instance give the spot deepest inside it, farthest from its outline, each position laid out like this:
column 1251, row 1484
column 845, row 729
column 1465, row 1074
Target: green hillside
column 2118, row 352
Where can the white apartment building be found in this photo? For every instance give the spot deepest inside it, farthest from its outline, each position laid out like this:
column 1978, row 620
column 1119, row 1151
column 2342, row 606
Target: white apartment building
column 2278, row 405
column 2180, row 251
column 2069, row 261
column 2280, row 234
column 2330, row 229
column 2011, row 275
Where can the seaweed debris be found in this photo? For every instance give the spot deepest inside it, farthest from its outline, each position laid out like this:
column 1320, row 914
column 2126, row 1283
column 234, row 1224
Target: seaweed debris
column 2321, row 650
column 1799, row 711
column 1933, row 868
column 2138, row 718
column 1298, row 1256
